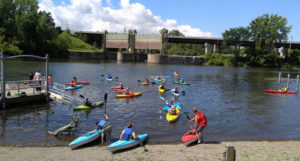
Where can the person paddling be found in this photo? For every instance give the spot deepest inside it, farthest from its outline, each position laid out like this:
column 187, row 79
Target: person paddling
column 121, row 86
column 106, row 128
column 169, row 103
column 109, row 76
column 162, row 86
column 127, row 92
column 87, row 102
column 128, row 133
column 172, row 110
column 201, row 120
column 181, row 80
column 175, row 90
column 146, row 80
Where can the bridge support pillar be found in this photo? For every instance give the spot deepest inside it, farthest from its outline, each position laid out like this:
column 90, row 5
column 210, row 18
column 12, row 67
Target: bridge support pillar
column 282, row 51
column 120, row 56
column 214, row 48
column 208, row 48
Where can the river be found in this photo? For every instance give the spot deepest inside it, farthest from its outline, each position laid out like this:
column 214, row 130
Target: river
column 232, row 98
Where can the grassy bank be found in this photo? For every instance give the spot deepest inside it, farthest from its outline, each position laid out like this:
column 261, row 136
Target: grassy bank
column 77, row 45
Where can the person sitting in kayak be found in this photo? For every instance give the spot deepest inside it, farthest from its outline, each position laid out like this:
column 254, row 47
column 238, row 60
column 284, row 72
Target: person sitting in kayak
column 127, row 92
column 175, row 90
column 162, row 86
column 73, row 84
column 106, row 128
column 181, row 80
column 109, row 76
column 172, row 110
column 74, row 81
column 176, row 73
column 284, row 89
column 201, row 120
column 169, row 103
column 146, row 80
column 121, row 86
column 128, row 133
column 86, row 102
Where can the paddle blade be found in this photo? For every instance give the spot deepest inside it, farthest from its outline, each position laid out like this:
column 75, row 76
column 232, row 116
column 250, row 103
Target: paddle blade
column 81, row 96
column 105, row 97
column 162, row 98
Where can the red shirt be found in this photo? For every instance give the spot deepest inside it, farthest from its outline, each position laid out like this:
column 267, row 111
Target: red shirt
column 202, row 120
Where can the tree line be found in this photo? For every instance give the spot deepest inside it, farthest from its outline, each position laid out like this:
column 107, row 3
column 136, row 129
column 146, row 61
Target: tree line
column 25, row 29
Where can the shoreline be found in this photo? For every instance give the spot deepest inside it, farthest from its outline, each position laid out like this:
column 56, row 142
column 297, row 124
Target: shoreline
column 245, row 150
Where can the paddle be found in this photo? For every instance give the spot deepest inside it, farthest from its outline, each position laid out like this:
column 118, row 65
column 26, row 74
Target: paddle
column 188, row 117
column 81, row 96
column 105, row 99
column 162, row 98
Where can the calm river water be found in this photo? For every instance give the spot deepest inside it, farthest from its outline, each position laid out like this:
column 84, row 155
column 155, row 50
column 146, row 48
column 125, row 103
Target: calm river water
column 232, row 98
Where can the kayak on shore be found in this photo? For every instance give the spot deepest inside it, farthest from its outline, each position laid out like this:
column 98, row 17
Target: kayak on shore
column 276, row 91
column 86, row 138
column 123, row 144
column 84, row 107
column 190, row 137
column 128, row 95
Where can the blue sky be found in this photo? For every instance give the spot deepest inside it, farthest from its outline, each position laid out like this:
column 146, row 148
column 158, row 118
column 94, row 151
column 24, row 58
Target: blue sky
column 212, row 17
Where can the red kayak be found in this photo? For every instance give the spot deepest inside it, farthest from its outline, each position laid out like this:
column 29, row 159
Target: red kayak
column 189, row 137
column 118, row 89
column 79, row 82
column 275, row 91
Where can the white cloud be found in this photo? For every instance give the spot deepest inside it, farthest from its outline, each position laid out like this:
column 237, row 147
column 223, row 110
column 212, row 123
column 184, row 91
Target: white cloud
column 91, row 15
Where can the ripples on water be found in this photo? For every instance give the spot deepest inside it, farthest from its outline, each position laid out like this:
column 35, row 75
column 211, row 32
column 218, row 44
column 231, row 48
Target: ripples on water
column 232, row 98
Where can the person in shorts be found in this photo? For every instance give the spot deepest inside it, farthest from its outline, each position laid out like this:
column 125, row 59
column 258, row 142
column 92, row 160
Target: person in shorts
column 201, row 120
column 106, row 128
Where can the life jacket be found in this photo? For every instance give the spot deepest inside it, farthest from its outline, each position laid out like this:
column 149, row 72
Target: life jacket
column 169, row 104
column 101, row 124
column 127, row 134
column 202, row 120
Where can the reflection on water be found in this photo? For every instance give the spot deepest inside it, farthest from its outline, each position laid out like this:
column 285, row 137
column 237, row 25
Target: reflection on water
column 232, row 98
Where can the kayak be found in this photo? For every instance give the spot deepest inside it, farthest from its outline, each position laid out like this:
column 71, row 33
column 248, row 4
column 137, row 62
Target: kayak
column 117, row 89
column 75, row 87
column 128, row 95
column 189, row 137
column 156, row 79
column 174, row 94
column 173, row 118
column 84, row 107
column 164, row 76
column 161, row 90
column 86, row 138
column 275, row 91
column 79, row 82
column 177, row 82
column 145, row 83
column 109, row 79
column 177, row 104
column 123, row 144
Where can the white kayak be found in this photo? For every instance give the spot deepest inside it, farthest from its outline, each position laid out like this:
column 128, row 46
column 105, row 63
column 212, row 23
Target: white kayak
column 123, row 144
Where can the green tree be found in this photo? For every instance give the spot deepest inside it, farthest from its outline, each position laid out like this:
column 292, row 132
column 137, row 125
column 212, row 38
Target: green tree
column 9, row 48
column 265, row 31
column 175, row 33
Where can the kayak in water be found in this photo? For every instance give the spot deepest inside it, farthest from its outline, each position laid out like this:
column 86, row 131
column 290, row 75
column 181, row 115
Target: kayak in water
column 74, row 87
column 161, row 90
column 118, row 89
column 180, row 83
column 173, row 118
column 123, row 144
column 276, row 91
column 79, row 82
column 177, row 104
column 84, row 107
column 174, row 94
column 128, row 95
column 145, row 83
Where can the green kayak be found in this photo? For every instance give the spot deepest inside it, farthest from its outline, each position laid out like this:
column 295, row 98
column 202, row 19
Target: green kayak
column 184, row 83
column 84, row 107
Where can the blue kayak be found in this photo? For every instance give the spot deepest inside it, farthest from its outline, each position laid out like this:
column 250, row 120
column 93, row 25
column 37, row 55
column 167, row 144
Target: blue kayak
column 75, row 87
column 175, row 94
column 177, row 104
column 123, row 144
column 164, row 76
column 109, row 79
column 86, row 138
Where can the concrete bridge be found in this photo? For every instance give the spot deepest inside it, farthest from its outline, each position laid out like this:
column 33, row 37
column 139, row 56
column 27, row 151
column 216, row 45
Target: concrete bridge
column 156, row 41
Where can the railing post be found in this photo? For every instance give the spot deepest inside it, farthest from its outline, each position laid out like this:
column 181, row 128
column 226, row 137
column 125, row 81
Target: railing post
column 288, row 81
column 18, row 88
column 3, row 92
column 229, row 154
column 279, row 78
column 297, row 83
column 47, row 73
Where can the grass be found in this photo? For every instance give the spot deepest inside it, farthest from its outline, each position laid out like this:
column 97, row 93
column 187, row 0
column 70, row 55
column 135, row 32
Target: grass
column 77, row 45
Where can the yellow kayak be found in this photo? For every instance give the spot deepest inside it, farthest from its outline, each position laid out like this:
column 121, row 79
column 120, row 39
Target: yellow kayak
column 145, row 83
column 161, row 90
column 128, row 95
column 173, row 118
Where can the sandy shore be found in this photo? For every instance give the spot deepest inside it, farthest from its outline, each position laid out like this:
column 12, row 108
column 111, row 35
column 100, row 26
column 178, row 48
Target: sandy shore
column 245, row 150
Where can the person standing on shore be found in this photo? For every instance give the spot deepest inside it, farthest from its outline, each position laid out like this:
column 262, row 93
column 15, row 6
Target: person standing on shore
column 106, row 128
column 201, row 120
